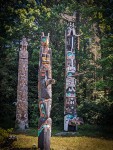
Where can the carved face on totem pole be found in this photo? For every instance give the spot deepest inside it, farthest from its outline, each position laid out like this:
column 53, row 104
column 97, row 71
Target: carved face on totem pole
column 24, row 44
column 45, row 94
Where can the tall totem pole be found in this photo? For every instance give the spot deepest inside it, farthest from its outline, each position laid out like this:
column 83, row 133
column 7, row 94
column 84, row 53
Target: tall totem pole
column 45, row 82
column 70, row 114
column 22, row 89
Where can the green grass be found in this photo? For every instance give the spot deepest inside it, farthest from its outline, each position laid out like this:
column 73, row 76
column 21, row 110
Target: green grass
column 80, row 143
column 66, row 143
column 87, row 138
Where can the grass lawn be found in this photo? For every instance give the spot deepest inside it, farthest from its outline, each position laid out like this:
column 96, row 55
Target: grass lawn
column 66, row 143
column 87, row 138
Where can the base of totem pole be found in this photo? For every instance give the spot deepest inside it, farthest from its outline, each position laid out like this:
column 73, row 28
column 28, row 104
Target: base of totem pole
column 67, row 133
column 72, row 131
column 72, row 128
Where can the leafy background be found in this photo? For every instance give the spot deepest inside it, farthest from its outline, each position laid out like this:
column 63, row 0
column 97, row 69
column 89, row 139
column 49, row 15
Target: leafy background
column 95, row 84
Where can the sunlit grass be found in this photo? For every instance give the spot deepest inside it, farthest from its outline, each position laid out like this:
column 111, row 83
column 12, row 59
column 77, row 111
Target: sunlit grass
column 66, row 143
column 25, row 141
column 80, row 143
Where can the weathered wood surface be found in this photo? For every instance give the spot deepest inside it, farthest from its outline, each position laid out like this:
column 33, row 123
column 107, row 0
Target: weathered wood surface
column 22, row 89
column 70, row 81
column 45, row 82
column 70, row 114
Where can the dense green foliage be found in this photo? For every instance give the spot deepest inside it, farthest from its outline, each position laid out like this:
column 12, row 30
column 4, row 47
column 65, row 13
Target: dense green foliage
column 95, row 57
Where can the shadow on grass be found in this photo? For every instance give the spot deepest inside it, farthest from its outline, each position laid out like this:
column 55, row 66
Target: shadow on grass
column 83, row 130
column 90, row 131
column 95, row 131
column 30, row 132
column 17, row 148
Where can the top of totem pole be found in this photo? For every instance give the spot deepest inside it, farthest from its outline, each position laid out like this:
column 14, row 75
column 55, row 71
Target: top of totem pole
column 44, row 35
column 45, row 40
column 68, row 17
column 24, row 44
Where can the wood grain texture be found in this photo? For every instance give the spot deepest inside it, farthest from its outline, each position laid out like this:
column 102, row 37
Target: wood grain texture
column 70, row 82
column 22, row 89
column 45, row 82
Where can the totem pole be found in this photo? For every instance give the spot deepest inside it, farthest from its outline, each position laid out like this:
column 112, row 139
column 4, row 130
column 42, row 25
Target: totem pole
column 70, row 115
column 22, row 89
column 45, row 82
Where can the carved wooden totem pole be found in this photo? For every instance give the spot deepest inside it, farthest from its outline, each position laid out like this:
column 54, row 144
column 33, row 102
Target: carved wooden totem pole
column 45, row 82
column 22, row 89
column 70, row 115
